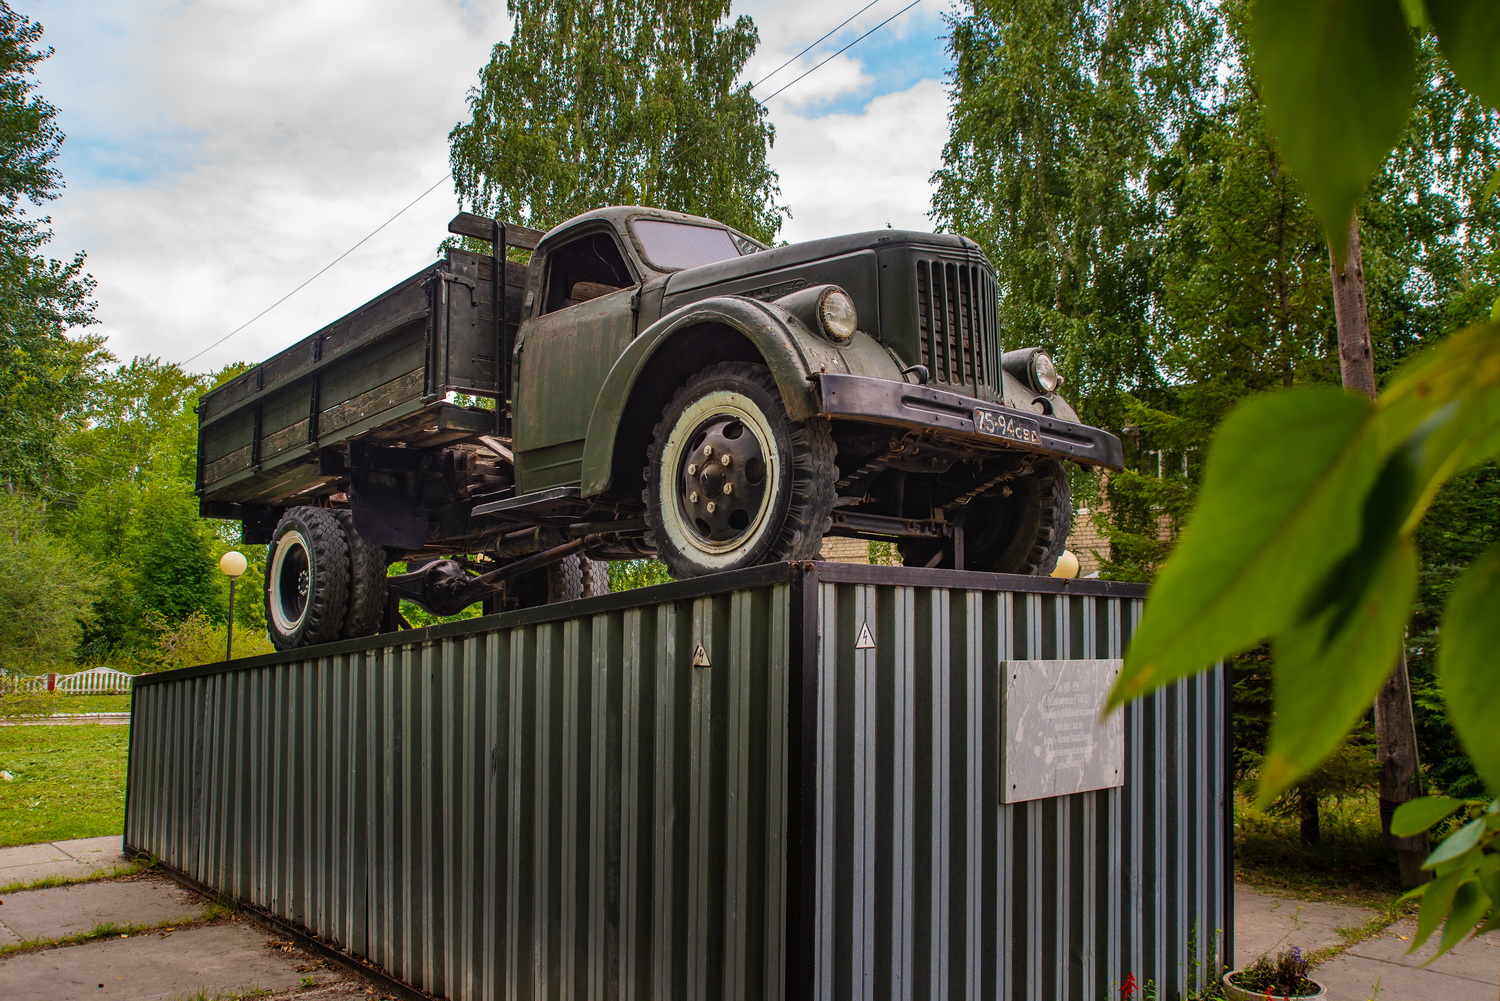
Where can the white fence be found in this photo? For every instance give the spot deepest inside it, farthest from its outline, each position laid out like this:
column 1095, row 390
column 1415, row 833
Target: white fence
column 94, row 681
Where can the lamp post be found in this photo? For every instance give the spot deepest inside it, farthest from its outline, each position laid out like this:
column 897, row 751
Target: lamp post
column 231, row 564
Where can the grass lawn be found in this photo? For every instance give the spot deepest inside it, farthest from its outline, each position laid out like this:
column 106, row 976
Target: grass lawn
column 68, row 782
column 93, row 704
column 1349, row 865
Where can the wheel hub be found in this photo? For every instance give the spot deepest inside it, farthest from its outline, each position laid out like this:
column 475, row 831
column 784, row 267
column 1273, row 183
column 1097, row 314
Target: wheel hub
column 722, row 480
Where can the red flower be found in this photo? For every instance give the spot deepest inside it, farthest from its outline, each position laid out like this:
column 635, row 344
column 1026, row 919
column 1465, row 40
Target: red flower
column 1128, row 988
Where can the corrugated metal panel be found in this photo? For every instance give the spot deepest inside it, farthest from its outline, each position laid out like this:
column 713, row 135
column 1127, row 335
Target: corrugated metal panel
column 557, row 804
column 929, row 887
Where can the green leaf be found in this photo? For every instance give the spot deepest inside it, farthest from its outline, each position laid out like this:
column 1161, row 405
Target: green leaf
column 1469, row 904
column 1416, row 14
column 1466, row 663
column 1445, row 406
column 1468, row 32
column 1281, row 501
column 1336, row 77
column 1460, row 841
column 1329, row 666
column 1418, row 815
column 1492, row 187
column 1437, row 902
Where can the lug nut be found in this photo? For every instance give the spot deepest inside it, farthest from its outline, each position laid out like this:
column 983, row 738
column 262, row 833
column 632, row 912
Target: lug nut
column 729, row 488
column 708, row 450
column 712, row 507
column 725, row 459
column 692, row 469
column 693, row 497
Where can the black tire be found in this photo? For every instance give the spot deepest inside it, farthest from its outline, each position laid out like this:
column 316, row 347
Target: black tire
column 569, row 579
column 779, row 480
column 1020, row 533
column 367, row 587
column 307, row 579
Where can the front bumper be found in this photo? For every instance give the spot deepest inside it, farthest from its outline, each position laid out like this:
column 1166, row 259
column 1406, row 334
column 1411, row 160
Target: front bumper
column 902, row 404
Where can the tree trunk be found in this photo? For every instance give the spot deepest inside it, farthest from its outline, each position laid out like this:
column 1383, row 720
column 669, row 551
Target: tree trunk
column 1395, row 729
column 1308, row 805
column 1396, row 750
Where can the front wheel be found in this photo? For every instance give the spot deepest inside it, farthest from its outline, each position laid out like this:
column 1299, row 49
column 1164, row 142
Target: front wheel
column 569, row 579
column 307, row 579
column 1024, row 531
column 731, row 480
column 1021, row 531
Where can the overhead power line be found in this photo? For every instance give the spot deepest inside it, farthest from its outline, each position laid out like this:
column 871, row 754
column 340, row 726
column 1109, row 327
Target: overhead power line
column 325, row 267
column 446, row 177
column 846, row 48
column 810, row 47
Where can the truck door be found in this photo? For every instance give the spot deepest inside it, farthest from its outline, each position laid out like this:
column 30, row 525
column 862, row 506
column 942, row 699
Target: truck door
column 583, row 321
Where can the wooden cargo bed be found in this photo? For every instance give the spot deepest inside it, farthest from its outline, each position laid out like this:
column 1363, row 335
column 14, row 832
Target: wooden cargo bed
column 382, row 373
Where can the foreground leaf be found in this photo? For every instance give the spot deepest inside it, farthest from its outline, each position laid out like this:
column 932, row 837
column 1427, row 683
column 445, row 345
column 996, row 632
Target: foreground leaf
column 1330, row 666
column 1336, row 77
column 1469, row 33
column 1444, row 407
column 1466, row 663
column 1417, row 815
column 1281, row 501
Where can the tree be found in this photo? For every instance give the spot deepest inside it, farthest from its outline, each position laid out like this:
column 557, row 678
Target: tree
column 618, row 104
column 43, row 372
column 1061, row 112
column 45, row 588
column 1324, row 561
column 127, row 500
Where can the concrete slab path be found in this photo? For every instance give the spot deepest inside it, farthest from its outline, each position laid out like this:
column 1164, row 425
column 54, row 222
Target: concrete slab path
column 229, row 958
column 1265, row 924
column 69, row 859
column 1380, row 967
column 59, row 911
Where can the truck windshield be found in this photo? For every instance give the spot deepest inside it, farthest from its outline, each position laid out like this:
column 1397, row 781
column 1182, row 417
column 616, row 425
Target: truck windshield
column 671, row 246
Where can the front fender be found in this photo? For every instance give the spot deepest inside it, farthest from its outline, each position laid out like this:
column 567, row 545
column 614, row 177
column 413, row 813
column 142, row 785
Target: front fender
column 790, row 350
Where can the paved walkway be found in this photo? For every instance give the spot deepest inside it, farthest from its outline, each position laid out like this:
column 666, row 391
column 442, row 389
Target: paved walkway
column 73, row 719
column 161, row 942
column 184, row 949
column 1376, row 968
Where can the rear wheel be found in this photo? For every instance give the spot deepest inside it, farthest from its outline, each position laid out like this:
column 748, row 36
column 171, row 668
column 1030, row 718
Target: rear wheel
column 307, row 579
column 367, row 587
column 731, row 480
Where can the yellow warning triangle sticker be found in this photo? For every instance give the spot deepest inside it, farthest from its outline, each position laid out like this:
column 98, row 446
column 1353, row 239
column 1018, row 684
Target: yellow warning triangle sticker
column 700, row 657
column 865, row 641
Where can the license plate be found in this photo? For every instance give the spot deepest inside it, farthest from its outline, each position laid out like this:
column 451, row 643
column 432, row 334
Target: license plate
column 1012, row 426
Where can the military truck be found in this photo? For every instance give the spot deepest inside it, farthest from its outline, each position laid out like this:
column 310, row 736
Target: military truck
column 646, row 383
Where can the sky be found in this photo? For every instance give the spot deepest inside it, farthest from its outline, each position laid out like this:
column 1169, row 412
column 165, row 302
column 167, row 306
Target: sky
column 220, row 153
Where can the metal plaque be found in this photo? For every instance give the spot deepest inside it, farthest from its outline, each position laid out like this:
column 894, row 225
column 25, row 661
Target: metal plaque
column 1054, row 742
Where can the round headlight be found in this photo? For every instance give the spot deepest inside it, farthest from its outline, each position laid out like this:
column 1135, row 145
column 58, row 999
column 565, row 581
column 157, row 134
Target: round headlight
column 1044, row 373
column 836, row 314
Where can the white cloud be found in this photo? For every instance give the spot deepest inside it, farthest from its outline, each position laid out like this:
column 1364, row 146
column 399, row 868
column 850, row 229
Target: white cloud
column 849, row 172
column 222, row 151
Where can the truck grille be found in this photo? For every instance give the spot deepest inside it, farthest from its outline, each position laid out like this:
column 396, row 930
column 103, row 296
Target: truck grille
column 956, row 324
